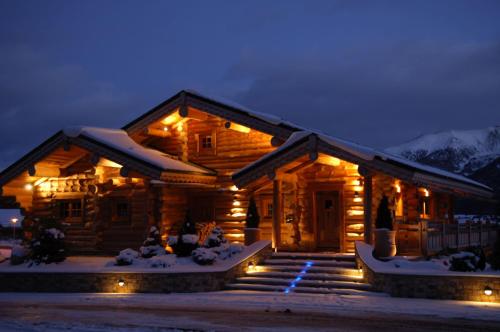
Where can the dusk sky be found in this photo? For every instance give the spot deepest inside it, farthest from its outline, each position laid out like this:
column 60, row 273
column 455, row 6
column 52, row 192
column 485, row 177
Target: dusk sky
column 375, row 72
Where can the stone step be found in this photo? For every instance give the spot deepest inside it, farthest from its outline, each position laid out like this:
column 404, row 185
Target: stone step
column 312, row 269
column 307, row 276
column 300, row 289
column 313, row 256
column 304, row 262
column 304, row 283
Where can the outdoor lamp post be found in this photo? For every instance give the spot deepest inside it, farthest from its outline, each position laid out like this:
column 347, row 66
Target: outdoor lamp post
column 14, row 222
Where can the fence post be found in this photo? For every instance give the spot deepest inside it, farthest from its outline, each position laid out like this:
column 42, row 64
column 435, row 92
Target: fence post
column 480, row 233
column 423, row 237
column 470, row 233
column 457, row 236
column 443, row 237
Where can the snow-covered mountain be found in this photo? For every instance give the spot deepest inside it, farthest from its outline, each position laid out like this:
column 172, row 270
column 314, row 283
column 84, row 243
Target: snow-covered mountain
column 474, row 153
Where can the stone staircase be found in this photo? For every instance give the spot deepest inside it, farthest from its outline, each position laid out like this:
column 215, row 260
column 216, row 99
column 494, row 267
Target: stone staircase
column 293, row 272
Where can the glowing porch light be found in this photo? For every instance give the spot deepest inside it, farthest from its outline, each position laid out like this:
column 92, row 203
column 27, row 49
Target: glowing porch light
column 28, row 186
column 488, row 291
column 356, row 183
column 426, row 193
column 355, row 212
column 121, row 282
column 233, row 188
column 398, row 188
column 180, row 127
column 236, row 203
column 251, row 267
column 14, row 220
column 165, row 129
column 171, row 119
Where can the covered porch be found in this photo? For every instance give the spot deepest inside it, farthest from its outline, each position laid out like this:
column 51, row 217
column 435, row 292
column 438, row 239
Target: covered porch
column 316, row 193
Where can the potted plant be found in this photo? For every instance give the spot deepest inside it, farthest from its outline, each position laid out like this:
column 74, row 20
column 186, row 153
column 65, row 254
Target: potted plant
column 252, row 230
column 385, row 237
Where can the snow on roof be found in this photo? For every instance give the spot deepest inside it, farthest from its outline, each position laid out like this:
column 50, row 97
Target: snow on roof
column 6, row 216
column 270, row 118
column 119, row 140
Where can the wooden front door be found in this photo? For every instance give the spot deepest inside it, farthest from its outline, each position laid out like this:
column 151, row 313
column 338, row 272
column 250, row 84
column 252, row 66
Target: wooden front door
column 328, row 212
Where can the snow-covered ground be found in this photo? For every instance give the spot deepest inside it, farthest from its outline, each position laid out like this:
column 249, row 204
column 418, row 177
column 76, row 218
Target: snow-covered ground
column 403, row 265
column 234, row 310
column 107, row 264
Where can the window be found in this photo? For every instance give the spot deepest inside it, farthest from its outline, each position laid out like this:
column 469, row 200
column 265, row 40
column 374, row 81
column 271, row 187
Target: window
column 70, row 209
column 120, row 210
column 267, row 207
column 206, row 142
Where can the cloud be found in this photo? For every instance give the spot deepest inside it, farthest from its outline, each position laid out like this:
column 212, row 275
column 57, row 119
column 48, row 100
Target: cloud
column 378, row 95
column 38, row 98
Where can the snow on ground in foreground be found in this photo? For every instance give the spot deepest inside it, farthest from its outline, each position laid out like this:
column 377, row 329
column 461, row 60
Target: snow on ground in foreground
column 98, row 264
column 258, row 301
column 402, row 265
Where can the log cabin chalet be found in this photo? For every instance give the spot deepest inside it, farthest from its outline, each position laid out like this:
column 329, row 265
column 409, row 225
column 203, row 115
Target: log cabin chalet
column 208, row 156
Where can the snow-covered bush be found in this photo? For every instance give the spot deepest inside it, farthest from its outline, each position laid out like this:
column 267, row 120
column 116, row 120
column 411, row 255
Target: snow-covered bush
column 187, row 241
column 47, row 245
column 467, row 261
column 215, row 238
column 190, row 238
column 162, row 261
column 218, row 245
column 152, row 246
column 126, row 257
column 203, row 256
column 19, row 254
column 172, row 240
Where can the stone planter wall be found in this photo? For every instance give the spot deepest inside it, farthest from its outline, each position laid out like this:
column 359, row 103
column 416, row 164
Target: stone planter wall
column 133, row 282
column 452, row 287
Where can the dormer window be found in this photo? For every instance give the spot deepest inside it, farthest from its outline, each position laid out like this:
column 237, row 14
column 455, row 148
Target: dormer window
column 206, row 142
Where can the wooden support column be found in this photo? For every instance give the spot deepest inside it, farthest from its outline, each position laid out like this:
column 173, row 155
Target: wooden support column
column 277, row 213
column 367, row 207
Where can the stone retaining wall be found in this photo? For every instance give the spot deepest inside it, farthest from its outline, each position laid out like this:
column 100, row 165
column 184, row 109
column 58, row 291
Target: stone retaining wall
column 452, row 287
column 133, row 282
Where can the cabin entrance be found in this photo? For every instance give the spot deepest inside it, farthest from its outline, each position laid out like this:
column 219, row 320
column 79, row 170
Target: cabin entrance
column 328, row 219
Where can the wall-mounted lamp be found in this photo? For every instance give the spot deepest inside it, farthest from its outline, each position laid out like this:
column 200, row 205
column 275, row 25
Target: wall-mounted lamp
column 121, row 282
column 488, row 291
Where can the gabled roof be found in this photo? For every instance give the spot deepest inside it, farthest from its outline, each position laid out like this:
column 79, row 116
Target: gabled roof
column 113, row 144
column 230, row 111
column 303, row 142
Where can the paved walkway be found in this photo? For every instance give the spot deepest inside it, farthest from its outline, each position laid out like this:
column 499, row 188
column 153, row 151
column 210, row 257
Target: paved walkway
column 244, row 311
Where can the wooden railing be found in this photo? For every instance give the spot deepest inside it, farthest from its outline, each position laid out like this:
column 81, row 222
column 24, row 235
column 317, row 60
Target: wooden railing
column 439, row 236
column 428, row 237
